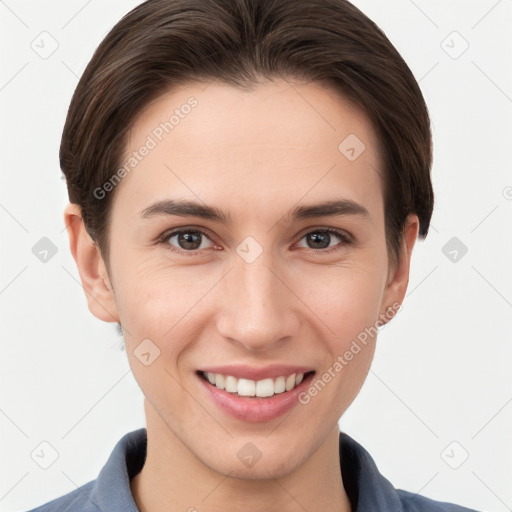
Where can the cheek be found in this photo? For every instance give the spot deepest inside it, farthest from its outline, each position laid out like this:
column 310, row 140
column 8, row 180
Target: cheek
column 348, row 307
column 158, row 306
column 163, row 303
column 154, row 304
column 346, row 299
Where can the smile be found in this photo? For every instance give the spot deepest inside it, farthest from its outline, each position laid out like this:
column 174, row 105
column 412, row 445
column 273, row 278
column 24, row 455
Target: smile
column 255, row 394
column 250, row 388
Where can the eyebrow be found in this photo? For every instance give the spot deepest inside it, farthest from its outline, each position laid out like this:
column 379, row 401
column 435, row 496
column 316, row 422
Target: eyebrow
column 186, row 208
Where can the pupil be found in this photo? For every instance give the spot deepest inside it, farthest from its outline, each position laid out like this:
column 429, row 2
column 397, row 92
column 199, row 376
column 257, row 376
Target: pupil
column 323, row 238
column 187, row 239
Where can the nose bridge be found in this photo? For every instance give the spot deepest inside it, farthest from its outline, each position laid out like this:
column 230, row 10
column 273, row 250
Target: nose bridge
column 259, row 309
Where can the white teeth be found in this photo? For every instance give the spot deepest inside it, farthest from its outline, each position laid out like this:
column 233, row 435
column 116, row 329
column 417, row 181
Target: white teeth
column 247, row 387
column 265, row 387
column 290, row 382
column 280, row 385
column 231, row 384
column 220, row 381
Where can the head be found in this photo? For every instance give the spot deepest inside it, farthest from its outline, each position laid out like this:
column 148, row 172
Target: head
column 261, row 113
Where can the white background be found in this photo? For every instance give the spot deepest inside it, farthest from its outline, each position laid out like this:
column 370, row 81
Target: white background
column 441, row 372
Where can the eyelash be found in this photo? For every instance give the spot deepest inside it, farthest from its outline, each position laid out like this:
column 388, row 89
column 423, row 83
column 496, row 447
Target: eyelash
column 343, row 235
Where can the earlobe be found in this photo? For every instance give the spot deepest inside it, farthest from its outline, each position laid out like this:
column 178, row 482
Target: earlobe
column 91, row 267
column 398, row 280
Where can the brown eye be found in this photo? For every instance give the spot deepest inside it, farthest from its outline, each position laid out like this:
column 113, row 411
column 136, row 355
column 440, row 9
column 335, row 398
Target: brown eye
column 321, row 239
column 186, row 240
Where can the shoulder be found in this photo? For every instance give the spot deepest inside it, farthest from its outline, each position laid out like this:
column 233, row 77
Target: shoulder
column 78, row 500
column 415, row 503
column 368, row 489
column 110, row 491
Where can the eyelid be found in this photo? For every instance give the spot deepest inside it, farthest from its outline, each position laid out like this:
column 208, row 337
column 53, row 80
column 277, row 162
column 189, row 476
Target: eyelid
column 343, row 233
column 185, row 229
column 164, row 239
column 345, row 236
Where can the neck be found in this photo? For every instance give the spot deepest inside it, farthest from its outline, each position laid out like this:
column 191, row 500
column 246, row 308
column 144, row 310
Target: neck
column 174, row 479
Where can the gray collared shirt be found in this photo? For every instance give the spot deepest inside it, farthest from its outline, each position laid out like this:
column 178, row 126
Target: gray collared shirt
column 366, row 488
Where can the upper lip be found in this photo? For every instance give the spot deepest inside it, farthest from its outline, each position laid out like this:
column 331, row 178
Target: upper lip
column 255, row 373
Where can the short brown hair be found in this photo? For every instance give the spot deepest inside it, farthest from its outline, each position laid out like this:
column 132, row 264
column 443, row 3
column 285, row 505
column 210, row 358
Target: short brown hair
column 166, row 43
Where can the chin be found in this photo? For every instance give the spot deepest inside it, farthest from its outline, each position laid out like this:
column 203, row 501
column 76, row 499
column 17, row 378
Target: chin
column 261, row 470
column 253, row 460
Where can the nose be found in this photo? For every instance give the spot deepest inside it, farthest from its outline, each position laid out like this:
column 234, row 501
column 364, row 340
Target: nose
column 259, row 309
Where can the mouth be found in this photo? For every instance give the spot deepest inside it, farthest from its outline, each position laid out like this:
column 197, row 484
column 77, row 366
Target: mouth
column 255, row 401
column 263, row 388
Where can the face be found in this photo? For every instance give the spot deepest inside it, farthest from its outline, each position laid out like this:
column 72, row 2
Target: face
column 276, row 271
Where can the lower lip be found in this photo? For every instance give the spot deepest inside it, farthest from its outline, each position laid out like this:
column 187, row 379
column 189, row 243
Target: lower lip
column 256, row 409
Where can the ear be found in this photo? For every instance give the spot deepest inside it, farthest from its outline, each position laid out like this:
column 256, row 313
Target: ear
column 91, row 267
column 398, row 277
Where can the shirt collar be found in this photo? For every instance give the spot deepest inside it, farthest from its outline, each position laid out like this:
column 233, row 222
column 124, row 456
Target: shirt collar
column 366, row 488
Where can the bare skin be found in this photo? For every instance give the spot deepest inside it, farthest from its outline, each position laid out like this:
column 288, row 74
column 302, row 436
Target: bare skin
column 256, row 155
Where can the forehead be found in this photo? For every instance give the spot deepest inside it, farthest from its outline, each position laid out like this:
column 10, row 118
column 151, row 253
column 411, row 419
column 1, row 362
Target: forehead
column 279, row 140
